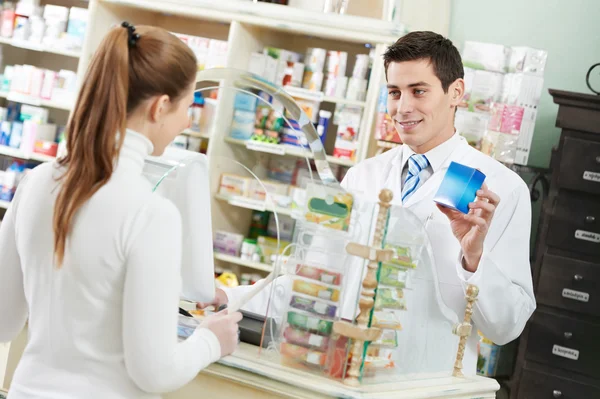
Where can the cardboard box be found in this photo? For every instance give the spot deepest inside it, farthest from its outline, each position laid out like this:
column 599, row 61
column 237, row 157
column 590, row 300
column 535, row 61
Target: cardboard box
column 234, row 185
column 482, row 88
column 485, row 56
column 459, row 187
column 522, row 89
column 527, row 60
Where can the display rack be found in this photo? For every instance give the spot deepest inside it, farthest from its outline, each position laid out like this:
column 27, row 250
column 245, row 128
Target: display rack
column 248, row 28
column 20, row 52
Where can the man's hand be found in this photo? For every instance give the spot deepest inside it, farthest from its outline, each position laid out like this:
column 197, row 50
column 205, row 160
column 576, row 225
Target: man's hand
column 471, row 229
column 220, row 299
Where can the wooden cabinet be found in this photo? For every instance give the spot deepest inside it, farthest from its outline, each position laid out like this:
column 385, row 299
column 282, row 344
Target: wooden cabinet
column 559, row 354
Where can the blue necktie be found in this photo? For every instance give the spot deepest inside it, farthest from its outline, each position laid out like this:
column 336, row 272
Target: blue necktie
column 416, row 163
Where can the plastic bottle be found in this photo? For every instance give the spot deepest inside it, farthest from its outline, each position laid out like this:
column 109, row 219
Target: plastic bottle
column 196, row 111
column 324, row 117
column 8, row 19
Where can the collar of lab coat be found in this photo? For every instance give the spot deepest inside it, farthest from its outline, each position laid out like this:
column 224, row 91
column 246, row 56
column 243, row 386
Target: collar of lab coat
column 439, row 159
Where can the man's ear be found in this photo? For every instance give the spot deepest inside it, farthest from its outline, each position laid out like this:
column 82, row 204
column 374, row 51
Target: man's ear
column 457, row 91
column 159, row 108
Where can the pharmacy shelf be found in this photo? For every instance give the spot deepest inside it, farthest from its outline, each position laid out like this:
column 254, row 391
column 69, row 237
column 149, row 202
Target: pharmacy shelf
column 38, row 102
column 241, row 262
column 279, row 149
column 38, row 47
column 318, row 96
column 192, row 133
column 4, row 204
column 278, row 18
column 344, row 101
column 248, row 203
column 12, row 152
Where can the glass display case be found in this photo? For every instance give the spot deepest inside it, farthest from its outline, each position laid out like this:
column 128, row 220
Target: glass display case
column 352, row 303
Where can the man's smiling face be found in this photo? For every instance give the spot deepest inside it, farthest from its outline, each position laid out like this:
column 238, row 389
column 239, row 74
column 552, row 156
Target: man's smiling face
column 422, row 112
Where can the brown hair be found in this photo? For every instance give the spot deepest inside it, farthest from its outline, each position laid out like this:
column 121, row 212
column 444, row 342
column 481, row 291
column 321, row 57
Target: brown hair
column 443, row 55
column 121, row 75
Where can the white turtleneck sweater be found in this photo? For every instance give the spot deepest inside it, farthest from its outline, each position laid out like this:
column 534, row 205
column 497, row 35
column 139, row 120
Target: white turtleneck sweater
column 105, row 324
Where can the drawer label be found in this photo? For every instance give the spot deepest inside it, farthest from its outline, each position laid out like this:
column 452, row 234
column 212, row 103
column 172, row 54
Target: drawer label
column 587, row 236
column 591, row 176
column 576, row 295
column 565, row 352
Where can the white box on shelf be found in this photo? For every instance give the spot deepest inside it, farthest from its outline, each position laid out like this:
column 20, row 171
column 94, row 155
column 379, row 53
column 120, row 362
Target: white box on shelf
column 258, row 64
column 76, row 27
column 528, row 60
column 486, row 56
column 526, row 136
column 522, row 89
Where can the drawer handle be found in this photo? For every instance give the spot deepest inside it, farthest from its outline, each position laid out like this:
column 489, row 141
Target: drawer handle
column 568, row 335
column 598, row 159
column 590, row 219
column 556, row 393
column 578, row 277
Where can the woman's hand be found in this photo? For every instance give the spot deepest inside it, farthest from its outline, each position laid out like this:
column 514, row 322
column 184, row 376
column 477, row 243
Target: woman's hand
column 220, row 299
column 225, row 327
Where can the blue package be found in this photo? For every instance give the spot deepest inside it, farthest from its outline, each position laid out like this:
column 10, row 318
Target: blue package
column 16, row 135
column 459, row 187
column 242, row 125
column 245, row 102
column 5, row 128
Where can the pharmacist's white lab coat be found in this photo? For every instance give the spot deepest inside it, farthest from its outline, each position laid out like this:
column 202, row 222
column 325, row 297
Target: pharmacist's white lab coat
column 506, row 299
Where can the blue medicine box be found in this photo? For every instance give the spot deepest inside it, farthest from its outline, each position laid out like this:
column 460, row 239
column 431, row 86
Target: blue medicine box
column 459, row 187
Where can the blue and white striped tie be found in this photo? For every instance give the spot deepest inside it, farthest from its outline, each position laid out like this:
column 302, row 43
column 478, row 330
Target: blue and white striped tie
column 416, row 163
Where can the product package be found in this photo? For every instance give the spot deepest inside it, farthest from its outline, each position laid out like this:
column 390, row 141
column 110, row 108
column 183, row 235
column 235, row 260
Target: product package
column 234, row 185
column 348, row 121
column 402, row 257
column 329, row 207
column 485, row 56
column 392, row 275
column 316, row 290
column 528, row 60
column 313, row 306
column 386, row 319
column 318, row 274
column 305, row 338
column 311, row 323
column 390, row 298
column 304, row 354
column 459, row 187
column 388, row 339
column 227, row 243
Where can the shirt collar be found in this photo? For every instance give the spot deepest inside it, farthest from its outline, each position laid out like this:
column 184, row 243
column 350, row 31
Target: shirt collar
column 136, row 147
column 436, row 156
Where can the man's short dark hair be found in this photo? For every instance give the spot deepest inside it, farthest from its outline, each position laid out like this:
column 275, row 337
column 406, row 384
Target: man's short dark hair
column 445, row 58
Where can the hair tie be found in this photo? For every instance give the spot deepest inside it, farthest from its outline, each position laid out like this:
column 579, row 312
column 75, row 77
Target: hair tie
column 132, row 36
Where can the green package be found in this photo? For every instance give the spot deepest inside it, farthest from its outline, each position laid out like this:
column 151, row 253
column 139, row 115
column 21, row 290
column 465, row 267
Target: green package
column 392, row 276
column 402, row 257
column 390, row 298
column 310, row 323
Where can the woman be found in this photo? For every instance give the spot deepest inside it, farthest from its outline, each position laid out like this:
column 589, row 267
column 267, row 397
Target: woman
column 89, row 257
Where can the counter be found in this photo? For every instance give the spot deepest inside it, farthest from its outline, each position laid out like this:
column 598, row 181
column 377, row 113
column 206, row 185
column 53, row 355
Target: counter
column 243, row 375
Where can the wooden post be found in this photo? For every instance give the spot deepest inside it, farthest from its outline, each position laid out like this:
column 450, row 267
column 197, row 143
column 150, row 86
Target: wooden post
column 367, row 294
column 464, row 329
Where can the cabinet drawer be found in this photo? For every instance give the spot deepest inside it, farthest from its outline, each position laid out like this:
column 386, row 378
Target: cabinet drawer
column 570, row 284
column 564, row 342
column 537, row 385
column 575, row 223
column 580, row 165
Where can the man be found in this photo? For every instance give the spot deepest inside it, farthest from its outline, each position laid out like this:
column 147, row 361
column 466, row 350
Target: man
column 489, row 247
